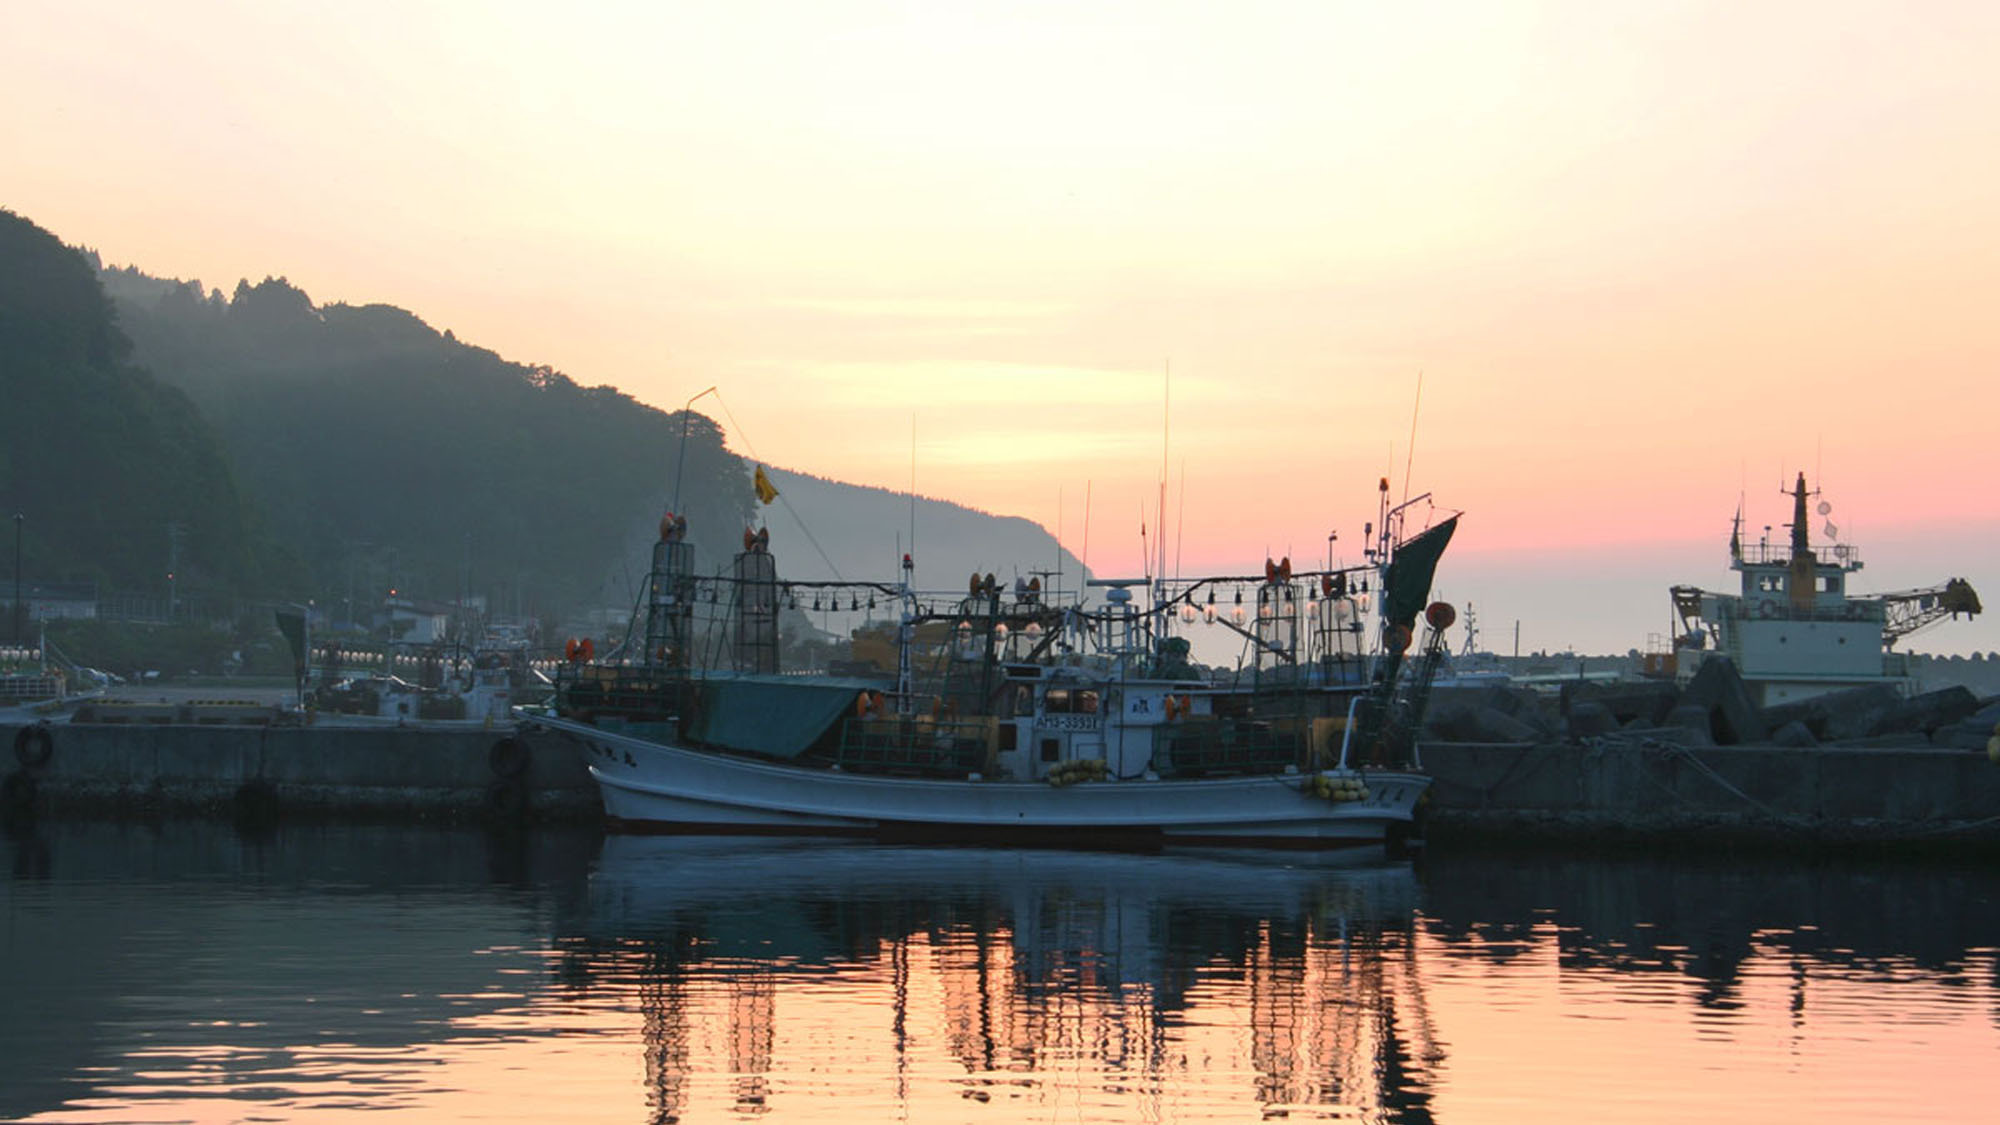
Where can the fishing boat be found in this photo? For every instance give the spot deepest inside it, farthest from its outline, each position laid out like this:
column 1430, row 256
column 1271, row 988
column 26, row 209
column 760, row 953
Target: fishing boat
column 1006, row 713
column 1796, row 627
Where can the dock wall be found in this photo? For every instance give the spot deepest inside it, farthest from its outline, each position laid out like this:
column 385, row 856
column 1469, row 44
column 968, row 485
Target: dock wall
column 1603, row 790
column 259, row 770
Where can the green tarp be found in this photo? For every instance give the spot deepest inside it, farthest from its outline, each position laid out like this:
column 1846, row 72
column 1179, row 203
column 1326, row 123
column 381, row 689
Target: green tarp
column 776, row 716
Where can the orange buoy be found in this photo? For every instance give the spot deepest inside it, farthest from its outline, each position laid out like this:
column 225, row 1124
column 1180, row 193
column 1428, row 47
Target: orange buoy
column 1399, row 638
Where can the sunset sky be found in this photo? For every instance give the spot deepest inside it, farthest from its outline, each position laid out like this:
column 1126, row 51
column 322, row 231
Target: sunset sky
column 1645, row 258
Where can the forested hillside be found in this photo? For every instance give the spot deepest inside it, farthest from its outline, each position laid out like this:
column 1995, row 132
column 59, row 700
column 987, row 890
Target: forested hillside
column 113, row 472
column 394, row 456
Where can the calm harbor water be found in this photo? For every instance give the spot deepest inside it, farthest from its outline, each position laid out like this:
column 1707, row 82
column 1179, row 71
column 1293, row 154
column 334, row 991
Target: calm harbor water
column 181, row 972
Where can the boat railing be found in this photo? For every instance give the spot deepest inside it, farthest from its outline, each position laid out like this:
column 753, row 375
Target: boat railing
column 29, row 687
column 918, row 746
column 1201, row 748
column 1843, row 555
column 634, row 693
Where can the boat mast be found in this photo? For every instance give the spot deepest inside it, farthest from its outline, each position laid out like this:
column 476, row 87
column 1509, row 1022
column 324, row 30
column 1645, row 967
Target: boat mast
column 906, row 635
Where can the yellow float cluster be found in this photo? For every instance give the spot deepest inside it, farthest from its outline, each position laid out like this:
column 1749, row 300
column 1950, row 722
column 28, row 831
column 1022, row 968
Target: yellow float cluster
column 1078, row 769
column 1337, row 788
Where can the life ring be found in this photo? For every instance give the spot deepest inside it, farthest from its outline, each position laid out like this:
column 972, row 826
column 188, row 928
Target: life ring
column 1767, row 608
column 508, row 757
column 34, row 746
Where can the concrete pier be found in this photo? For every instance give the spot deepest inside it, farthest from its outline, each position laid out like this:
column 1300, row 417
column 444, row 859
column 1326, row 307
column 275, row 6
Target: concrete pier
column 268, row 771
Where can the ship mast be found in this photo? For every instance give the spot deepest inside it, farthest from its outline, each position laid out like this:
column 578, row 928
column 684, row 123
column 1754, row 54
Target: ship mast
column 1805, row 568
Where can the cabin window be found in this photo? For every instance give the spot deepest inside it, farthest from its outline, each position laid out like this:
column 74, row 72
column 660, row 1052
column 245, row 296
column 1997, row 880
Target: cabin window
column 1051, row 749
column 1771, row 583
column 1829, row 583
column 1062, row 701
column 1008, row 737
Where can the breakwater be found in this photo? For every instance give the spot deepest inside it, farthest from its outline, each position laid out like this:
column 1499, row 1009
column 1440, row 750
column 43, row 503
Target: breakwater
column 1656, row 793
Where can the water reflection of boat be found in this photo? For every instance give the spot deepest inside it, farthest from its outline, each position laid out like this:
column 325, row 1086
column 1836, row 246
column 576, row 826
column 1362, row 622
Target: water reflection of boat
column 1032, row 966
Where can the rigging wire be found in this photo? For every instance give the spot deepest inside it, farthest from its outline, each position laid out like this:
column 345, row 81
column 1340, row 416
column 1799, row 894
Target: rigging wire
column 1411, row 456
column 791, row 511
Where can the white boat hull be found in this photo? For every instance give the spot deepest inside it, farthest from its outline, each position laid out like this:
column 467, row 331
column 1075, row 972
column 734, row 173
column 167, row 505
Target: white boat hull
column 652, row 786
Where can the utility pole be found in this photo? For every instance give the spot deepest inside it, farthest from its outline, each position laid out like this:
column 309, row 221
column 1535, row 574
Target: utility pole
column 681, row 461
column 174, row 533
column 19, row 618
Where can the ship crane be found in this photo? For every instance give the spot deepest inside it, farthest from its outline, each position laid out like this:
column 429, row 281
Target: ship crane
column 1907, row 611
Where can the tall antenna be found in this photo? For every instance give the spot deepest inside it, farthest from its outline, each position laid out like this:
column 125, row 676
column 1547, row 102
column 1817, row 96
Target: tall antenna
column 1145, row 555
column 913, row 485
column 1160, row 521
column 1411, row 457
column 1085, row 560
column 1180, row 521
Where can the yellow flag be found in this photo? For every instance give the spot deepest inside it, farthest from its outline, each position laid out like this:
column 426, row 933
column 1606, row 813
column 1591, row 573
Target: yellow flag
column 765, row 493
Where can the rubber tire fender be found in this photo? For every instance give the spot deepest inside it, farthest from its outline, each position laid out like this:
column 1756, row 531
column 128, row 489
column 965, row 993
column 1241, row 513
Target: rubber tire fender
column 18, row 796
column 34, row 746
column 508, row 757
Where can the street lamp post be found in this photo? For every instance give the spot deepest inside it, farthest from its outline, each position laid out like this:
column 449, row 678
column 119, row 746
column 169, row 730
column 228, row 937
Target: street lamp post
column 682, row 464
column 19, row 628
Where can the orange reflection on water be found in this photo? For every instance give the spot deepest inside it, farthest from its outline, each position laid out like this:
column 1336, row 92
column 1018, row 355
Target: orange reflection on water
column 1114, row 987
column 693, row 981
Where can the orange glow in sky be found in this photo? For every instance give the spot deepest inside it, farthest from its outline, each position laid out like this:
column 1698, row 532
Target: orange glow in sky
column 1646, row 258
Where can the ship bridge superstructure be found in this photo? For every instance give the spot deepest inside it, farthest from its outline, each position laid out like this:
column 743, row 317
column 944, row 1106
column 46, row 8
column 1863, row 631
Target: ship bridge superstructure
column 1795, row 627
